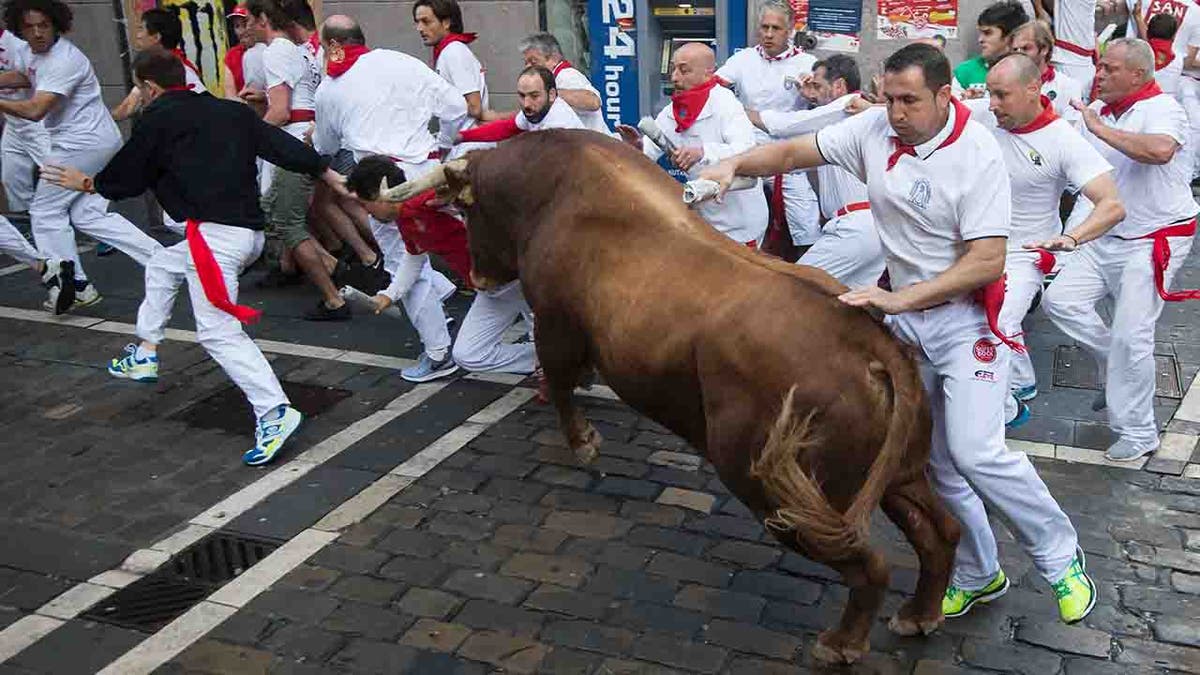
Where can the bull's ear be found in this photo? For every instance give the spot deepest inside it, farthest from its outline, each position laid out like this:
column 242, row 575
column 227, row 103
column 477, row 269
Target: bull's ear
column 458, row 183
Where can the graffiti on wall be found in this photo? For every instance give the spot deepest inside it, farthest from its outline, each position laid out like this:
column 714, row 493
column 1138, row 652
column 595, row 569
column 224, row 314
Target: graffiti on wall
column 205, row 32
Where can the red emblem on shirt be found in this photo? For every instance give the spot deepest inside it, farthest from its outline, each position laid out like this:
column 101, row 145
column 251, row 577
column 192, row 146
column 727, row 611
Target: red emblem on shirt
column 985, row 351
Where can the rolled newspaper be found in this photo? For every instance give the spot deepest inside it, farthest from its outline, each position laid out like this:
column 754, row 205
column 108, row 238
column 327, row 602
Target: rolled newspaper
column 702, row 189
column 651, row 130
column 364, row 302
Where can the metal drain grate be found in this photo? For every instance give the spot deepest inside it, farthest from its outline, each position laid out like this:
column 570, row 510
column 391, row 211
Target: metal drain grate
column 1073, row 367
column 193, row 574
column 229, row 411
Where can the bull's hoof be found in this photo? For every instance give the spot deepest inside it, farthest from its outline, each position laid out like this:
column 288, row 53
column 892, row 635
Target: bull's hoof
column 587, row 449
column 907, row 624
column 833, row 649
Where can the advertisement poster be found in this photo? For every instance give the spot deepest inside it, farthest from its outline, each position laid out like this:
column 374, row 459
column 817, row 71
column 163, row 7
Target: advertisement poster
column 836, row 24
column 901, row 19
column 614, row 60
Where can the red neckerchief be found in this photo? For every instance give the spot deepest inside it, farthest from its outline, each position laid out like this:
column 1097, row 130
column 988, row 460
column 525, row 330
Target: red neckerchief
column 184, row 59
column 313, row 44
column 1163, row 52
column 1048, row 74
column 178, row 87
column 233, row 60
column 1148, row 90
column 785, row 54
column 686, row 105
column 465, row 38
column 350, row 54
column 562, row 65
column 1044, row 118
column 961, row 115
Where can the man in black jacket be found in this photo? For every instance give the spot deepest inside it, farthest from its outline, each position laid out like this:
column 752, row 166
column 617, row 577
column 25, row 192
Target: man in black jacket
column 197, row 153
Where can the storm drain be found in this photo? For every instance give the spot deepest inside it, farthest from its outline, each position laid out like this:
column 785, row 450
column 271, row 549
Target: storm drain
column 193, row 574
column 1074, row 367
column 229, row 411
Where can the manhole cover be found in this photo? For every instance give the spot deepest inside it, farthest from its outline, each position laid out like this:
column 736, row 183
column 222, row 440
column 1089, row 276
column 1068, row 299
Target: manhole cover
column 1074, row 367
column 228, row 409
column 155, row 600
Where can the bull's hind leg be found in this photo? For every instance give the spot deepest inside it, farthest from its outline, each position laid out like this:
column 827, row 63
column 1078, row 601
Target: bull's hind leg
column 933, row 533
column 865, row 572
column 562, row 352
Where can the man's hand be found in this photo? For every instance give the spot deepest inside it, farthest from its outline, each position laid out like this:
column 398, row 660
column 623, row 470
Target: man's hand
column 755, row 118
column 971, row 92
column 1062, row 243
column 858, row 104
column 67, row 177
column 686, row 158
column 336, row 182
column 1091, row 118
column 251, row 95
column 873, row 296
column 722, row 173
column 630, row 135
column 380, row 302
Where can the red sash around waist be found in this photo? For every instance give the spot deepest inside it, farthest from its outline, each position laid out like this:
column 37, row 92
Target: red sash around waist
column 211, row 279
column 1160, row 257
column 851, row 208
column 301, row 116
column 991, row 298
column 1076, row 49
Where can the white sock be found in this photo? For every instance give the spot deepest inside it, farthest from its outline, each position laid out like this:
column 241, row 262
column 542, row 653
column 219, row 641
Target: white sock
column 142, row 353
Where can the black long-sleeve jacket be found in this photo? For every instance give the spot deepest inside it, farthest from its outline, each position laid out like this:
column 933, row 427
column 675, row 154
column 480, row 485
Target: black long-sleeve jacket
column 197, row 153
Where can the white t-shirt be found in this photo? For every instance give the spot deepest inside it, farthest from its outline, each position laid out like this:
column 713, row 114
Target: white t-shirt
column 285, row 62
column 560, row 116
column 760, row 81
column 79, row 120
column 723, row 130
column 1075, row 22
column 193, row 81
column 570, row 78
column 383, row 105
column 16, row 55
column 1154, row 195
column 927, row 206
column 1061, row 90
column 457, row 63
column 1042, row 164
column 1187, row 13
column 254, row 73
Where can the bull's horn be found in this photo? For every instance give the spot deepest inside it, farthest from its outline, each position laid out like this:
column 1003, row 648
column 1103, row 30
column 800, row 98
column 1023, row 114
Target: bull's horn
column 430, row 181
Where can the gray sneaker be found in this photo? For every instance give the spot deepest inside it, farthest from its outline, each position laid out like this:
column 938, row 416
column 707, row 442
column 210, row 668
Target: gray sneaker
column 1125, row 450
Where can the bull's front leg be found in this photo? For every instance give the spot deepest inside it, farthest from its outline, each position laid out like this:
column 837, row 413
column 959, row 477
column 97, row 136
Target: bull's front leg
column 562, row 352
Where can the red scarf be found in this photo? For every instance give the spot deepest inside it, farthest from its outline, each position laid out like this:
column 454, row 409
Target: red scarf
column 465, row 38
column 233, row 61
column 1148, row 90
column 562, row 65
column 184, row 59
column 1044, row 118
column 991, row 298
column 313, row 44
column 211, row 279
column 961, row 116
column 427, row 229
column 1163, row 54
column 686, row 105
column 350, row 54
column 1048, row 74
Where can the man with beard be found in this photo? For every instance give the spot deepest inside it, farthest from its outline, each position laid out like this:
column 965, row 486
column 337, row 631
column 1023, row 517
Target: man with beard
column 541, row 108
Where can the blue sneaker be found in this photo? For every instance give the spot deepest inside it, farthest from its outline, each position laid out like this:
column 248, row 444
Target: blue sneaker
column 1022, row 415
column 130, row 367
column 274, row 428
column 1026, row 393
column 427, row 369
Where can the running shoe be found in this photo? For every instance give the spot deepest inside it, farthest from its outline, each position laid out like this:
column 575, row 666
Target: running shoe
column 958, row 602
column 1125, row 450
column 83, row 296
column 1026, row 393
column 323, row 312
column 427, row 369
column 130, row 367
column 1021, row 417
column 58, row 276
column 274, row 428
column 1075, row 592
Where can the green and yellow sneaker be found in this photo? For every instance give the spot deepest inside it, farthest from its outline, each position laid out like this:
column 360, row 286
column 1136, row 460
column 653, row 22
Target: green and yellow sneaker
column 957, row 601
column 1075, row 591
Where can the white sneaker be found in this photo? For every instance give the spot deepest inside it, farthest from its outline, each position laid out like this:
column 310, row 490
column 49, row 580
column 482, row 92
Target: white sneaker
column 85, row 297
column 1125, row 450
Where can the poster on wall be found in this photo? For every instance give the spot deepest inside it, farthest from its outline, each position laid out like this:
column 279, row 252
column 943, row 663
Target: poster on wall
column 836, row 24
column 908, row 19
column 613, row 33
column 204, row 34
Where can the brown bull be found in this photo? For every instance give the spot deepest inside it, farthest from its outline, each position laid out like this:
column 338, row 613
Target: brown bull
column 811, row 413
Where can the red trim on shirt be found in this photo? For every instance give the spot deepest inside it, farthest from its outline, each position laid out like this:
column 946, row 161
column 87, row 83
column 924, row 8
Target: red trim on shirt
column 301, row 115
column 1076, row 49
column 1044, row 118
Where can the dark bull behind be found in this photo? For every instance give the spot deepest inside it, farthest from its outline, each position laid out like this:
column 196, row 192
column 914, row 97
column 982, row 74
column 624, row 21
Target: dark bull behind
column 811, row 413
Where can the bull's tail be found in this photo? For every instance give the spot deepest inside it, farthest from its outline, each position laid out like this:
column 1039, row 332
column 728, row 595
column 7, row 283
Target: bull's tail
column 801, row 506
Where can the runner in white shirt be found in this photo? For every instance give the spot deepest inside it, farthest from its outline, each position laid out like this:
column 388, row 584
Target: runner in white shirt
column 542, row 49
column 1143, row 134
column 1035, row 40
column 158, row 30
column 939, row 192
column 440, row 25
column 707, row 124
column 848, row 247
column 376, row 101
column 24, row 145
column 1045, row 156
column 66, row 98
column 1185, row 43
column 1075, row 40
column 767, row 77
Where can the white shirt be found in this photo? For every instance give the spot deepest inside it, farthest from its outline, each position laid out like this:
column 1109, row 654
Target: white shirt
column 285, row 62
column 570, row 78
column 1154, row 195
column 1061, row 90
column 457, row 63
column 1075, row 22
column 1042, row 164
column 560, row 116
column 16, row 55
column 760, row 81
column 79, row 120
column 192, row 79
column 1187, row 13
column 926, row 207
column 383, row 105
column 254, row 73
column 723, row 130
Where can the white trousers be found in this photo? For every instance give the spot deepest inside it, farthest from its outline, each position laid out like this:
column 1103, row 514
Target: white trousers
column 54, row 210
column 1024, row 282
column 963, row 371
column 480, row 345
column 21, row 153
column 423, row 301
column 1121, row 269
column 15, row 244
column 1080, row 70
column 1189, row 96
column 217, row 331
column 800, row 206
column 849, row 250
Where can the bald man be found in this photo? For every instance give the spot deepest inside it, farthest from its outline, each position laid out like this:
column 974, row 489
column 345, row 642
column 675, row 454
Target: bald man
column 707, row 124
column 1045, row 156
